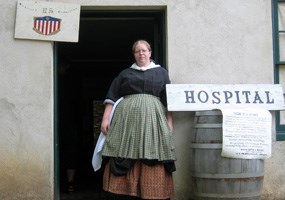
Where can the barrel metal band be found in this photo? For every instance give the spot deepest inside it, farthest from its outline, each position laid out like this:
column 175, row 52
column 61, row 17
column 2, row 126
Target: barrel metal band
column 222, row 196
column 206, row 146
column 208, row 113
column 208, row 125
column 233, row 176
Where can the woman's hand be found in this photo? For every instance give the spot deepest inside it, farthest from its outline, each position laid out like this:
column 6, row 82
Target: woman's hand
column 105, row 126
column 105, row 119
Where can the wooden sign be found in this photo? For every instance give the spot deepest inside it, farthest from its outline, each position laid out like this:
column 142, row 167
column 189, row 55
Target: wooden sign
column 195, row 97
column 40, row 20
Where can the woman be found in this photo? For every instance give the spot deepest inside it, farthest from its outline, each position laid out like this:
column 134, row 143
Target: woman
column 139, row 142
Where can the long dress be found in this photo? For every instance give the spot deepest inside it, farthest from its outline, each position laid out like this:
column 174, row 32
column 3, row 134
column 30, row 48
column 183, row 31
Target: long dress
column 139, row 144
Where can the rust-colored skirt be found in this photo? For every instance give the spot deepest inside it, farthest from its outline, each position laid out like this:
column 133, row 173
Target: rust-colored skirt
column 146, row 182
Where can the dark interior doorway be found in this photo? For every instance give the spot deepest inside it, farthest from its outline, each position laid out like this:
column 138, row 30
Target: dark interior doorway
column 84, row 72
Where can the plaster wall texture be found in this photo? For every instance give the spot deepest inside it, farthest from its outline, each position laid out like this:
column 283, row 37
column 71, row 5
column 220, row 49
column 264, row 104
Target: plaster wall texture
column 26, row 114
column 274, row 179
column 210, row 41
column 220, row 42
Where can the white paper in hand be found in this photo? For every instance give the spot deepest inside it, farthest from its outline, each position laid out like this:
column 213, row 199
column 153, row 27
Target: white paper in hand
column 97, row 155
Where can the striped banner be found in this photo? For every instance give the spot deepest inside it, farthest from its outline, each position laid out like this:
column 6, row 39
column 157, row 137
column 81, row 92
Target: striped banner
column 47, row 25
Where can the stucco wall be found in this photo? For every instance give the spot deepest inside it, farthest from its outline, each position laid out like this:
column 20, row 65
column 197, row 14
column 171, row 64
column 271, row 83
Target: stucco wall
column 274, row 179
column 220, row 41
column 26, row 114
column 209, row 41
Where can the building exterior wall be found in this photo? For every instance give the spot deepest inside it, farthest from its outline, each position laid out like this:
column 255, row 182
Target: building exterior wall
column 210, row 41
column 26, row 113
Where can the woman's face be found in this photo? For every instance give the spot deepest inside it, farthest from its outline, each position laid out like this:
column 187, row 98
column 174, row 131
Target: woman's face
column 142, row 55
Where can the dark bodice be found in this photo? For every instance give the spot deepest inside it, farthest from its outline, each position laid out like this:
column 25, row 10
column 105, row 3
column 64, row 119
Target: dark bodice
column 131, row 81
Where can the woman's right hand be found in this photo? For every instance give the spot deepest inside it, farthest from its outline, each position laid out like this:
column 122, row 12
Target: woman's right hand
column 105, row 119
column 105, row 126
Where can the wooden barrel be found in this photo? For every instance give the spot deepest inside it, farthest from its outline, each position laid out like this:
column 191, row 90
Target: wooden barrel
column 216, row 177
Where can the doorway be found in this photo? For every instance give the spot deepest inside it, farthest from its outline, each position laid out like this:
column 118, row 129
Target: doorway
column 84, row 71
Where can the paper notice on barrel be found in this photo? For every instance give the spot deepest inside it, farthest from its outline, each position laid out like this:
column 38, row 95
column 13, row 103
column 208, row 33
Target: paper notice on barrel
column 246, row 133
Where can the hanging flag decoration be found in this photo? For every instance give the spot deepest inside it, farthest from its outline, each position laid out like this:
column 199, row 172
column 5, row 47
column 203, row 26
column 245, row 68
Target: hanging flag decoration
column 47, row 25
